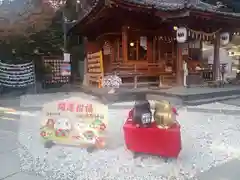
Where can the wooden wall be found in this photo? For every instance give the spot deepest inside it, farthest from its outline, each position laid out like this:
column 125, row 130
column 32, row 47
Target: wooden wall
column 91, row 47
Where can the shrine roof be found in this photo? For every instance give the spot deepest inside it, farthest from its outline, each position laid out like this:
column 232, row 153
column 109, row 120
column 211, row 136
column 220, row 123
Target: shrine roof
column 93, row 6
column 171, row 5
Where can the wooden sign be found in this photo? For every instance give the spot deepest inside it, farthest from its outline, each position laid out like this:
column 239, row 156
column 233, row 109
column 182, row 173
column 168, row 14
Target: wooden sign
column 95, row 68
column 74, row 121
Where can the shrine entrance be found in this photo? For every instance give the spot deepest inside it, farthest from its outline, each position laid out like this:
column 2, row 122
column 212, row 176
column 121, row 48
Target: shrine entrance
column 147, row 46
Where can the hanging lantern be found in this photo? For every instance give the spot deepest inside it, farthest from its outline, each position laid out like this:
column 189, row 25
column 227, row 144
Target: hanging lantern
column 224, row 38
column 181, row 35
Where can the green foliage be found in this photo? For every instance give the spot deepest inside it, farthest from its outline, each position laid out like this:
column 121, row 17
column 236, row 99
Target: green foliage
column 233, row 5
column 47, row 69
column 48, row 42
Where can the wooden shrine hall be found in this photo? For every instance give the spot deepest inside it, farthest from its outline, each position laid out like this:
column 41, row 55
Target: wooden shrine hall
column 153, row 42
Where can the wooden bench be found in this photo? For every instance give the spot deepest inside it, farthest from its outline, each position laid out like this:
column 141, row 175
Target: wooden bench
column 138, row 71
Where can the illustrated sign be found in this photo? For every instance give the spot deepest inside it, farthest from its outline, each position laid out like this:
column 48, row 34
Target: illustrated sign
column 65, row 69
column 74, row 121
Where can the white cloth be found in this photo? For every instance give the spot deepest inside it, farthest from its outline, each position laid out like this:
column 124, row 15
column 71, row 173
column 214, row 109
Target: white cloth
column 185, row 73
column 112, row 81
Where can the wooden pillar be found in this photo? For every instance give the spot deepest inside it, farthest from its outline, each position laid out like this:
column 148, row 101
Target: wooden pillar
column 216, row 59
column 159, row 49
column 201, row 50
column 154, row 49
column 179, row 67
column 85, row 76
column 125, row 43
column 150, row 49
column 113, row 53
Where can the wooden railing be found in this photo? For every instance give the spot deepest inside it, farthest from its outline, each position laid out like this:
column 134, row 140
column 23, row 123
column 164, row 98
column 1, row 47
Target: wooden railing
column 141, row 70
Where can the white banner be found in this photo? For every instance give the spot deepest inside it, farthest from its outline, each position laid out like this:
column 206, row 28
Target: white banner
column 16, row 65
column 17, row 75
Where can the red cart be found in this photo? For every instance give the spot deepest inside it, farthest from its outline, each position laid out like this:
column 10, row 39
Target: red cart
column 152, row 140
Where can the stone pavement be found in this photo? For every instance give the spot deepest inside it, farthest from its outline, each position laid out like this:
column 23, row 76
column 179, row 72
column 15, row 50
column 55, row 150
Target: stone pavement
column 227, row 171
column 9, row 158
column 10, row 163
column 235, row 102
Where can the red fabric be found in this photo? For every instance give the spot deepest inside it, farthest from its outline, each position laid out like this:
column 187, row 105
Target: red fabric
column 153, row 140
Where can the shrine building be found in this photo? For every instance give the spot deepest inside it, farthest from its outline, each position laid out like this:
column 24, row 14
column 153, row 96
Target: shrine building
column 146, row 42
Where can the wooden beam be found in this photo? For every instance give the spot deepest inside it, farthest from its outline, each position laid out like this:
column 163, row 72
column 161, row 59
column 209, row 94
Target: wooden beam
column 159, row 49
column 171, row 15
column 118, row 50
column 125, row 43
column 150, row 49
column 179, row 68
column 154, row 49
column 113, row 53
column 108, row 34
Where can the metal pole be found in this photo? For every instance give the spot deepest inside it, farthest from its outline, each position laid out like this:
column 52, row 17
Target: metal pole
column 64, row 31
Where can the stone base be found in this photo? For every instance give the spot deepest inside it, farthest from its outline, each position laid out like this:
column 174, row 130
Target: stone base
column 177, row 95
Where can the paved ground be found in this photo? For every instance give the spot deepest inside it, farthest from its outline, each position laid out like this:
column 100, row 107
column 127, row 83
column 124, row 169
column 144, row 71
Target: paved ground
column 227, row 171
column 235, row 102
column 9, row 157
column 10, row 162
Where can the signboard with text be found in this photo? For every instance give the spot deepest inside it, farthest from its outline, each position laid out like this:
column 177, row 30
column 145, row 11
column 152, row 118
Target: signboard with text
column 74, row 121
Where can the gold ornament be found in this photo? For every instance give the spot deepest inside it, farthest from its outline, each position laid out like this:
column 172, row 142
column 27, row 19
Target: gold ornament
column 163, row 114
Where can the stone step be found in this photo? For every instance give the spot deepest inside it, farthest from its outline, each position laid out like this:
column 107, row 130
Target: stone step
column 217, row 93
column 210, row 100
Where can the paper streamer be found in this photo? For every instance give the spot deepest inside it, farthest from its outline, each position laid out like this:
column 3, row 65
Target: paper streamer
column 112, row 81
column 17, row 75
column 16, row 65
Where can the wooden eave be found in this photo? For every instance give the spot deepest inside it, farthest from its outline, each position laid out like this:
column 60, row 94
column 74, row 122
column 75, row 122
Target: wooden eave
column 130, row 5
column 172, row 14
column 219, row 17
column 93, row 13
column 91, row 16
column 162, row 14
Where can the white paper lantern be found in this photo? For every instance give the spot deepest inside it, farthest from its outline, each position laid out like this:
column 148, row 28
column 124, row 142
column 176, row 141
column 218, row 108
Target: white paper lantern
column 181, row 35
column 224, row 38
